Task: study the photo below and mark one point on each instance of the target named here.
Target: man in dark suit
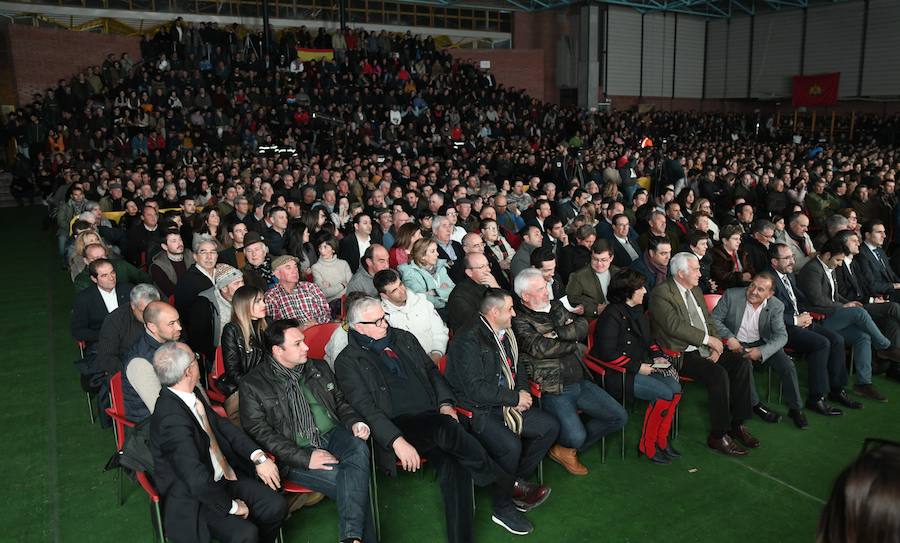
(275, 235)
(680, 322)
(93, 304)
(751, 322)
(875, 263)
(542, 259)
(755, 246)
(822, 348)
(848, 318)
(354, 245)
(576, 256)
(397, 389)
(204, 465)
(854, 285)
(624, 240)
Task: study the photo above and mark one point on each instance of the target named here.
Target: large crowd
(489, 257)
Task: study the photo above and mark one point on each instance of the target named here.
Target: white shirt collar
(189, 398)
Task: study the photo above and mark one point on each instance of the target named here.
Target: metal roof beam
(748, 10)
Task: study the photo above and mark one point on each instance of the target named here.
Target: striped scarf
(508, 364)
(300, 415)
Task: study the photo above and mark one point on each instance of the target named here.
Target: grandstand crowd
(485, 279)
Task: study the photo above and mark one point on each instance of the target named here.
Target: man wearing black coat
(122, 328)
(465, 298)
(93, 304)
(330, 455)
(395, 386)
(204, 465)
(483, 369)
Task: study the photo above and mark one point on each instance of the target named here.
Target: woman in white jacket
(412, 312)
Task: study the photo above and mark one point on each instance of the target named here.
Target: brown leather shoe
(891, 353)
(306, 499)
(870, 392)
(567, 458)
(743, 435)
(726, 445)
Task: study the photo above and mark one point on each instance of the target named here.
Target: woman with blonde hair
(76, 259)
(427, 274)
(242, 346)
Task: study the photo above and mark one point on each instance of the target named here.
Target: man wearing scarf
(396, 387)
(292, 408)
(654, 262)
(483, 368)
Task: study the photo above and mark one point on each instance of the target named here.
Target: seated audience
(125, 272)
(211, 310)
(92, 305)
(729, 267)
(465, 299)
(400, 252)
(122, 328)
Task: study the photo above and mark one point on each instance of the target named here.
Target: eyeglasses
(383, 321)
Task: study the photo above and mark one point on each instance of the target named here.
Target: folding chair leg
(120, 484)
(90, 402)
(603, 450)
(473, 496)
(677, 417)
(540, 472)
(157, 517)
(373, 496)
(769, 385)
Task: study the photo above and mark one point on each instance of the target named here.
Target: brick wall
(542, 30)
(519, 68)
(40, 56)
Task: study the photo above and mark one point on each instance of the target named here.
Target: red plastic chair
(90, 400)
(343, 306)
(317, 336)
(218, 370)
(116, 411)
(711, 301)
(600, 367)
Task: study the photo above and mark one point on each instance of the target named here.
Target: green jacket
(821, 206)
(584, 288)
(669, 318)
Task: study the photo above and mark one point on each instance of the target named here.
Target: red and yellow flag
(314, 54)
(816, 90)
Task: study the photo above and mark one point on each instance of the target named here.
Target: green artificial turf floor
(54, 488)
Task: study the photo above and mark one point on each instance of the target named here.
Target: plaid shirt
(306, 303)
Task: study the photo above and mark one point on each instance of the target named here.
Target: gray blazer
(729, 313)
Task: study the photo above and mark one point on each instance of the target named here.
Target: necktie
(790, 291)
(879, 257)
(692, 312)
(214, 443)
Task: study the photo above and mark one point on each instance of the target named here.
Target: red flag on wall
(816, 90)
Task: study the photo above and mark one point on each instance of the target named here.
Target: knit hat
(225, 275)
(282, 260)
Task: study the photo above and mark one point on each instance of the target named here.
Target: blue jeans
(654, 386)
(605, 415)
(858, 329)
(347, 484)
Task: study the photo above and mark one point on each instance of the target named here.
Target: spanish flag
(314, 54)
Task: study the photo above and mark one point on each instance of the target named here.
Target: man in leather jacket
(292, 407)
(552, 343)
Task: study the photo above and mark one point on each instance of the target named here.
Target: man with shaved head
(140, 386)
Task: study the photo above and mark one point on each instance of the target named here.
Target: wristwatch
(262, 459)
